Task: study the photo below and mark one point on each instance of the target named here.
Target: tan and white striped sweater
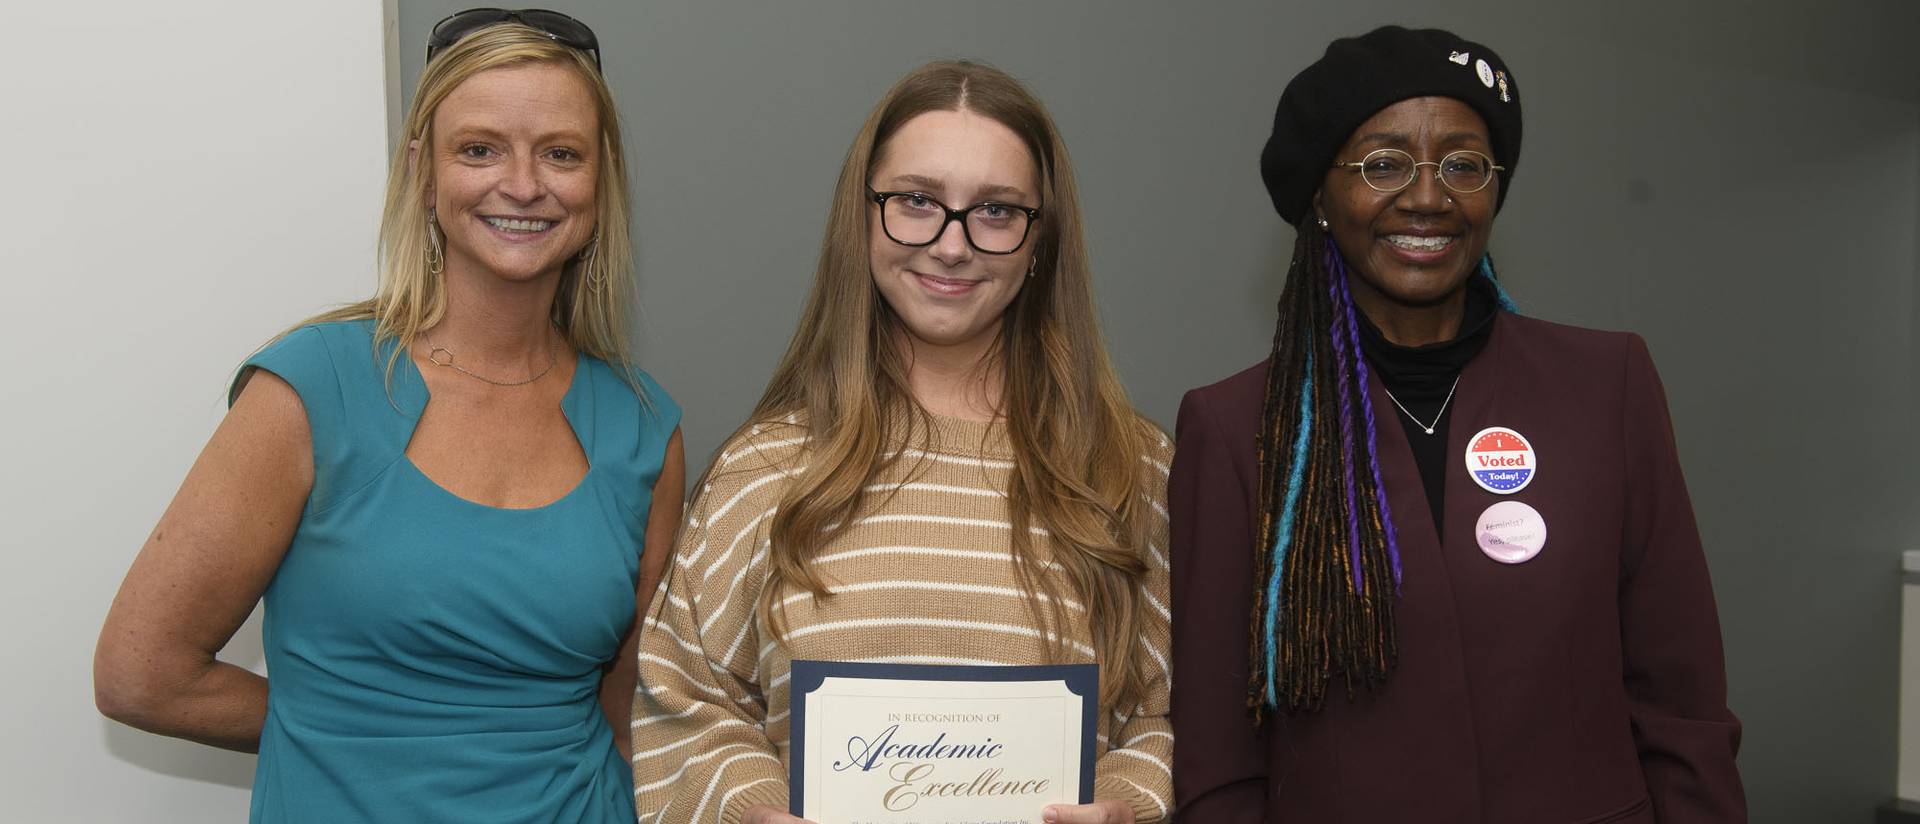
(927, 577)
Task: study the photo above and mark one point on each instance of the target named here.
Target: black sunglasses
(563, 29)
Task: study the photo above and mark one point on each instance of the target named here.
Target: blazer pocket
(1641, 810)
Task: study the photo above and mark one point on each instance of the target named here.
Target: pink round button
(1511, 532)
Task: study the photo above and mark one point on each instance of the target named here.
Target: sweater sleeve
(1670, 630)
(1138, 769)
(1221, 763)
(700, 748)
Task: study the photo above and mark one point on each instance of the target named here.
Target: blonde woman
(943, 469)
(442, 493)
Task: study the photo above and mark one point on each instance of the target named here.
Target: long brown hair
(1077, 441)
(411, 297)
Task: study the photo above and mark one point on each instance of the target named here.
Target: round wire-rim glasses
(927, 207)
(1388, 171)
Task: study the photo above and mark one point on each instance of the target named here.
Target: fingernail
(1049, 815)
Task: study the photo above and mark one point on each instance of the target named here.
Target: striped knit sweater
(926, 578)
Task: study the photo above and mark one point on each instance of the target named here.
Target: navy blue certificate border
(806, 676)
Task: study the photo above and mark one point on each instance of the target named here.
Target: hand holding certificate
(898, 744)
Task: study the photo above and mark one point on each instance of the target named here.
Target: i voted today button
(1501, 461)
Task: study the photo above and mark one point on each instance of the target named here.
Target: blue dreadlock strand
(1500, 292)
(1297, 467)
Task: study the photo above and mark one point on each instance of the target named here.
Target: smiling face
(1415, 247)
(948, 293)
(515, 162)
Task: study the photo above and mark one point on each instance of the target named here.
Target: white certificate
(903, 744)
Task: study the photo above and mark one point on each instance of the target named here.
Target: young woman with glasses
(442, 493)
(1460, 536)
(944, 469)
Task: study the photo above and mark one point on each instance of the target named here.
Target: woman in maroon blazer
(1433, 560)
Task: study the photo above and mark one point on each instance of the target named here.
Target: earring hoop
(436, 257)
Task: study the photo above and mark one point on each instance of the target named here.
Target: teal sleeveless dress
(431, 659)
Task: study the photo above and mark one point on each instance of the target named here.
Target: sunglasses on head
(563, 29)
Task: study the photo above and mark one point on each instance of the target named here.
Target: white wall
(177, 182)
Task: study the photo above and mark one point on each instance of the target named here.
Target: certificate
(907, 744)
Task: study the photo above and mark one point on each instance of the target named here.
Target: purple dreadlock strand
(1343, 299)
(1336, 283)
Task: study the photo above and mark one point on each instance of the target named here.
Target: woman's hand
(763, 814)
(1099, 812)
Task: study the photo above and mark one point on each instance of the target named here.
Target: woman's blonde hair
(590, 308)
(1077, 441)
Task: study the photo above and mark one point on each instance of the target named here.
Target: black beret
(1359, 76)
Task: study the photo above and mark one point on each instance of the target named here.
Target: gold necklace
(436, 351)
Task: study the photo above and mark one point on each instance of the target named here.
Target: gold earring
(436, 258)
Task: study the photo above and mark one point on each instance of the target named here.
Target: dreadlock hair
(1499, 292)
(1327, 563)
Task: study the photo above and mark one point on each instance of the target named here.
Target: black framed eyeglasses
(917, 219)
(561, 28)
(1390, 170)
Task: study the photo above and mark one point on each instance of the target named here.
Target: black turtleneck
(1420, 378)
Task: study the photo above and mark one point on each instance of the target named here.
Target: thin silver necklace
(1428, 428)
(436, 352)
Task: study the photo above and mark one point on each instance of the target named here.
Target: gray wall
(1741, 185)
